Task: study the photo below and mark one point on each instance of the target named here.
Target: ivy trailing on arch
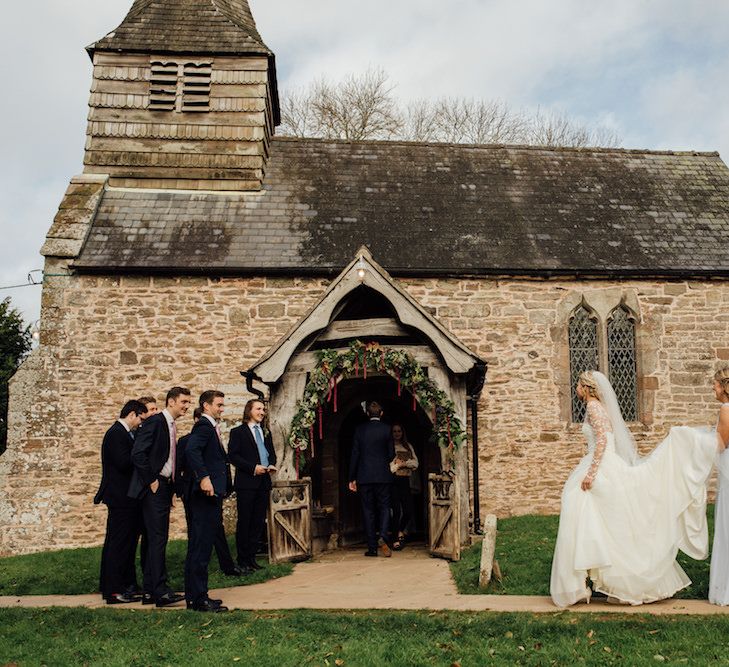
(356, 361)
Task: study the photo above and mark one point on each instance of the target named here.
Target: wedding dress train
(625, 532)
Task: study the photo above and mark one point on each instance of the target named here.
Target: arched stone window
(622, 369)
(584, 353)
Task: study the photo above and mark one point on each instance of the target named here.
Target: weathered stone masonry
(109, 338)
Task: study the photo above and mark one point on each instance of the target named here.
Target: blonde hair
(587, 380)
(722, 377)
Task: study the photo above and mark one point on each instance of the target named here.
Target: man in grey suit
(370, 476)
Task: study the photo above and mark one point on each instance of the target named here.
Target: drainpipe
(250, 376)
(473, 400)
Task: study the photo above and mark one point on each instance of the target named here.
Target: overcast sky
(655, 71)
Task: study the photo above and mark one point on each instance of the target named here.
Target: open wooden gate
(289, 521)
(444, 536)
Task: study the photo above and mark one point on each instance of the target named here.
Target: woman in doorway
(624, 517)
(719, 574)
(402, 466)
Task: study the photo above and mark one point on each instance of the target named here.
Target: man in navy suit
(118, 579)
(370, 476)
(250, 450)
(207, 462)
(184, 485)
(153, 455)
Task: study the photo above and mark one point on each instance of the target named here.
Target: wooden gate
(289, 521)
(445, 539)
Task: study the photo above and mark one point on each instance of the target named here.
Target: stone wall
(107, 339)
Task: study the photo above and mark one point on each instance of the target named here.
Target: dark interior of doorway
(337, 514)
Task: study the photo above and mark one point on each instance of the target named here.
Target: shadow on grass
(76, 572)
(524, 548)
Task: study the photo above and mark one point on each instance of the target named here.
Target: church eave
(471, 272)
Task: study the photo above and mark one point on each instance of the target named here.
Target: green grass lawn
(281, 639)
(524, 548)
(76, 571)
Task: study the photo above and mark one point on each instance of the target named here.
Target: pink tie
(217, 430)
(173, 447)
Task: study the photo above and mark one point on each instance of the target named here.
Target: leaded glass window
(621, 361)
(583, 353)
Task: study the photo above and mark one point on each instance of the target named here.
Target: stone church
(199, 249)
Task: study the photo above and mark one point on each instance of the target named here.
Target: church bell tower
(184, 97)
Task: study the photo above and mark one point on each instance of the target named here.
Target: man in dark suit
(118, 579)
(250, 450)
(183, 488)
(370, 476)
(153, 455)
(207, 462)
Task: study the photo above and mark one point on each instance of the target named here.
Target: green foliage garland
(332, 367)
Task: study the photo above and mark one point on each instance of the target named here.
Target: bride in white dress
(624, 517)
(719, 576)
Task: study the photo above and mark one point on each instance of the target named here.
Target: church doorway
(337, 515)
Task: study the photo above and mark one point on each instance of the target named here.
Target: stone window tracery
(622, 369)
(583, 352)
(608, 346)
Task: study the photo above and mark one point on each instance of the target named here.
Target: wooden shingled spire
(184, 96)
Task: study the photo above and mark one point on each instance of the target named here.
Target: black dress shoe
(253, 565)
(119, 598)
(147, 598)
(134, 593)
(168, 599)
(370, 553)
(209, 606)
(213, 601)
(235, 571)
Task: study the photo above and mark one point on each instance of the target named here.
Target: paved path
(347, 580)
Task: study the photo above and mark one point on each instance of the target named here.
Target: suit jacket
(372, 452)
(243, 454)
(204, 456)
(116, 468)
(149, 454)
(183, 476)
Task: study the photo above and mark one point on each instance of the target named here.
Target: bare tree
(364, 107)
(557, 129)
(298, 114)
(359, 107)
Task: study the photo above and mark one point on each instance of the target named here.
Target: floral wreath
(333, 366)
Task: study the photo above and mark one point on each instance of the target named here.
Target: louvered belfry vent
(175, 86)
(196, 86)
(163, 86)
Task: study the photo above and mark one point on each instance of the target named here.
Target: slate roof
(186, 26)
(433, 209)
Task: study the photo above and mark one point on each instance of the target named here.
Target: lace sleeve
(598, 419)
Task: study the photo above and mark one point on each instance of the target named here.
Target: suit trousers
(118, 573)
(156, 514)
(205, 513)
(375, 499)
(252, 508)
(402, 506)
(222, 549)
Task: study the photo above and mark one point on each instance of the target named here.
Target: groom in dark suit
(205, 458)
(118, 579)
(370, 476)
(154, 457)
(250, 450)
